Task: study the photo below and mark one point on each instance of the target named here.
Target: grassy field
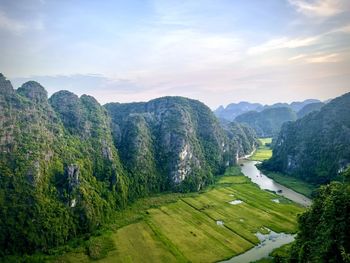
(296, 184)
(264, 151)
(187, 230)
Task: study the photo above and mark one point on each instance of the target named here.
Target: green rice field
(199, 227)
(264, 151)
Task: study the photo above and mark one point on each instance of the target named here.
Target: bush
(98, 247)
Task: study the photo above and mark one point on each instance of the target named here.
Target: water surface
(268, 243)
(249, 169)
(272, 240)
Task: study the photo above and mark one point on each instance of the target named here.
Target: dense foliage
(325, 227)
(171, 140)
(60, 171)
(310, 108)
(56, 182)
(242, 138)
(268, 122)
(317, 147)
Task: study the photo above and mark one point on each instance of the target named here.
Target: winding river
(249, 169)
(272, 240)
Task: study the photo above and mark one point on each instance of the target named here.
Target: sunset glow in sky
(218, 51)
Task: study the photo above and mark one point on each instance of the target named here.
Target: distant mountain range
(235, 109)
(267, 120)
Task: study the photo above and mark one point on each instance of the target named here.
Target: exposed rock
(107, 151)
(72, 173)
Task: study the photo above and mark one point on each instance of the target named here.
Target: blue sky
(218, 51)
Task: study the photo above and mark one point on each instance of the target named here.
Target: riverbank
(264, 152)
(293, 183)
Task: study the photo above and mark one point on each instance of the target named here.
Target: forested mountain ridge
(54, 183)
(177, 136)
(268, 122)
(315, 148)
(310, 108)
(232, 110)
(67, 162)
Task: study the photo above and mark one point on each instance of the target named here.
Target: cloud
(330, 58)
(317, 58)
(298, 57)
(283, 42)
(89, 83)
(321, 8)
(344, 29)
(11, 25)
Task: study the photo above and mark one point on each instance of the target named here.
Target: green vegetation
(67, 163)
(241, 137)
(278, 255)
(264, 151)
(296, 184)
(268, 122)
(187, 231)
(310, 108)
(325, 227)
(315, 148)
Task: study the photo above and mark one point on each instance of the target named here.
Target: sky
(216, 51)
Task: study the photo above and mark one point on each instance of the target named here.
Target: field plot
(205, 227)
(264, 151)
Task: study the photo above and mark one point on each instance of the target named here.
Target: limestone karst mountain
(67, 162)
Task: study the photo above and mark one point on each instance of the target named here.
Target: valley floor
(264, 151)
(201, 227)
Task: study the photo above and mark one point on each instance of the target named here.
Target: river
(272, 240)
(249, 169)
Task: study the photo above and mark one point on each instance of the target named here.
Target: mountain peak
(33, 91)
(5, 85)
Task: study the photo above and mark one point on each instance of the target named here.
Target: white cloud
(343, 29)
(283, 42)
(321, 8)
(298, 57)
(330, 58)
(18, 27)
(11, 25)
(317, 58)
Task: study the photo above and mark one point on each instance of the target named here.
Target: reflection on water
(249, 169)
(235, 202)
(268, 242)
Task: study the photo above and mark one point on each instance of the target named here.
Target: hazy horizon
(218, 53)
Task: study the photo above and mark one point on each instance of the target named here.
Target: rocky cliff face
(316, 147)
(176, 140)
(60, 170)
(243, 139)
